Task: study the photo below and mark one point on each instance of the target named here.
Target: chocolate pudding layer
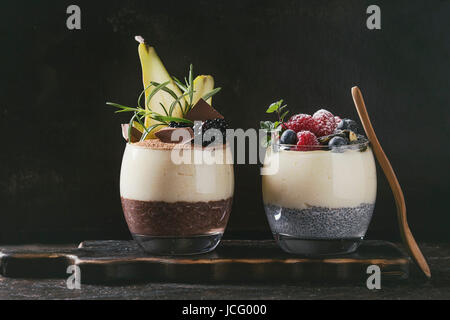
(176, 219)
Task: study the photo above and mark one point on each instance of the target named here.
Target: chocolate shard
(202, 111)
(182, 135)
(135, 133)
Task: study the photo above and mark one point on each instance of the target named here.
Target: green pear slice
(153, 70)
(202, 86)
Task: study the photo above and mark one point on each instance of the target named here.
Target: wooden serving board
(112, 262)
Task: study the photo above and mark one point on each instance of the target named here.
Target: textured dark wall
(62, 147)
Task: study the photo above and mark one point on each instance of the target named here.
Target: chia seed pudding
(319, 222)
(320, 195)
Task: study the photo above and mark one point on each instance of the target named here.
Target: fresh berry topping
(208, 130)
(337, 120)
(324, 123)
(299, 122)
(348, 124)
(362, 142)
(174, 124)
(220, 124)
(337, 142)
(288, 137)
(306, 141)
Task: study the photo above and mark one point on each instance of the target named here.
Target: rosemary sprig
(185, 101)
(188, 90)
(179, 84)
(191, 84)
(130, 126)
(143, 113)
(155, 91)
(149, 129)
(210, 94)
(142, 93)
(142, 125)
(169, 91)
(172, 106)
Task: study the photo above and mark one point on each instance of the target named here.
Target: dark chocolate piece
(202, 111)
(135, 133)
(165, 135)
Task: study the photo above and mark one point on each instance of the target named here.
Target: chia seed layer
(320, 222)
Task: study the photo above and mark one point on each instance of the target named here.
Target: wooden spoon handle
(405, 232)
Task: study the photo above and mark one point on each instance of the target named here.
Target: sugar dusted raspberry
(306, 141)
(337, 119)
(299, 122)
(324, 123)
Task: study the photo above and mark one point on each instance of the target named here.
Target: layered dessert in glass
(174, 208)
(321, 198)
(177, 178)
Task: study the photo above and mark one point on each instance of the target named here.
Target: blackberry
(362, 142)
(216, 124)
(174, 124)
(220, 124)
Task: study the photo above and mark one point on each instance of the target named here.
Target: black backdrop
(62, 147)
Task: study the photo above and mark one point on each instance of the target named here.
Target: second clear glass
(319, 202)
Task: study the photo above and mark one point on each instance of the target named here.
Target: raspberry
(306, 141)
(324, 123)
(299, 122)
(337, 119)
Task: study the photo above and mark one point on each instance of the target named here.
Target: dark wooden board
(111, 262)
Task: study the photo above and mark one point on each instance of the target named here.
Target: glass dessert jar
(319, 201)
(174, 207)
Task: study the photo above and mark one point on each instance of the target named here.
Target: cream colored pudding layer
(321, 178)
(150, 175)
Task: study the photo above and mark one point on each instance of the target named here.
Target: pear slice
(138, 126)
(202, 86)
(153, 70)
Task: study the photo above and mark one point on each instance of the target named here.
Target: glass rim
(293, 147)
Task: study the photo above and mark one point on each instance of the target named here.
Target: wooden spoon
(405, 232)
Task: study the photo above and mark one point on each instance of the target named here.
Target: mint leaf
(267, 125)
(274, 106)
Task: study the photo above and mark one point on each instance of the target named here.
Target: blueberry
(288, 137)
(348, 124)
(337, 142)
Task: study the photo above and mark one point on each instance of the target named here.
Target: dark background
(62, 147)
